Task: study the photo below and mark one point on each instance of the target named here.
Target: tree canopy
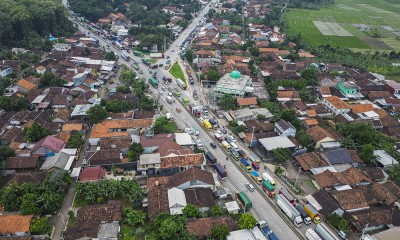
(35, 133)
(13, 103)
(247, 221)
(227, 102)
(49, 80)
(96, 114)
(134, 152)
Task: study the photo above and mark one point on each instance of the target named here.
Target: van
(226, 145)
(250, 187)
(234, 146)
(255, 166)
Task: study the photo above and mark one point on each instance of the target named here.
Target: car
(201, 119)
(173, 51)
(108, 46)
(228, 139)
(160, 65)
(150, 72)
(250, 187)
(170, 94)
(167, 57)
(213, 145)
(220, 132)
(178, 110)
(163, 88)
(189, 130)
(205, 111)
(231, 138)
(161, 93)
(205, 117)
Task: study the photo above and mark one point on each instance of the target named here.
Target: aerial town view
(200, 119)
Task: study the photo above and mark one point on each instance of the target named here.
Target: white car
(205, 117)
(231, 138)
(250, 187)
(170, 94)
(189, 130)
(161, 93)
(163, 88)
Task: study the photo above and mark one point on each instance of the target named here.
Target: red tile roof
(247, 101)
(15, 223)
(92, 174)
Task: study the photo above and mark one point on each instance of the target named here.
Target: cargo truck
(137, 53)
(145, 62)
(325, 233)
(268, 188)
(304, 214)
(181, 83)
(267, 177)
(262, 225)
(226, 145)
(312, 235)
(210, 157)
(234, 154)
(313, 213)
(288, 196)
(222, 174)
(153, 82)
(253, 157)
(125, 56)
(207, 124)
(243, 201)
(176, 92)
(245, 165)
(289, 210)
(256, 177)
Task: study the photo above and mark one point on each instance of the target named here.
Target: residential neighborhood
(193, 120)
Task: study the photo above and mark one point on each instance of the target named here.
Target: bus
(176, 92)
(243, 201)
(153, 82)
(125, 56)
(245, 165)
(138, 54)
(145, 62)
(167, 64)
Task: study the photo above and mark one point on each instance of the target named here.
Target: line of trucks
(321, 232)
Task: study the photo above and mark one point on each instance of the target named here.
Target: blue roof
(338, 156)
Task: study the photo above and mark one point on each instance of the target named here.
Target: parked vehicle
(253, 157)
(268, 178)
(304, 214)
(289, 210)
(222, 174)
(268, 188)
(287, 195)
(313, 213)
(178, 110)
(243, 201)
(267, 231)
(181, 83)
(234, 153)
(207, 124)
(256, 177)
(242, 153)
(312, 235)
(255, 166)
(234, 146)
(324, 232)
(226, 145)
(245, 165)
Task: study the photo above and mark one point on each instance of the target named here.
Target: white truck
(267, 178)
(312, 235)
(289, 210)
(169, 99)
(325, 233)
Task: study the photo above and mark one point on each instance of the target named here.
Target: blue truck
(267, 231)
(222, 174)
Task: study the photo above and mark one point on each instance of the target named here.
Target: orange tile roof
(269, 50)
(382, 113)
(72, 126)
(311, 121)
(361, 108)
(311, 113)
(182, 160)
(205, 52)
(283, 52)
(15, 223)
(306, 54)
(325, 90)
(288, 94)
(26, 84)
(105, 128)
(337, 102)
(247, 101)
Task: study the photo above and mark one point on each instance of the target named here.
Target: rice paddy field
(349, 23)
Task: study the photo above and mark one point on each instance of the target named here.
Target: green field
(177, 72)
(375, 14)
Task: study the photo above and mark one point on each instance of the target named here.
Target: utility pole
(297, 178)
(252, 136)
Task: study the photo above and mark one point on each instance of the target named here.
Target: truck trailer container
(313, 213)
(254, 158)
(312, 235)
(287, 195)
(245, 165)
(289, 210)
(267, 177)
(181, 83)
(243, 201)
(268, 188)
(325, 233)
(222, 174)
(210, 157)
(256, 177)
(153, 82)
(125, 56)
(267, 232)
(304, 214)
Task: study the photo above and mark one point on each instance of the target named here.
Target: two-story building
(284, 128)
(336, 105)
(350, 90)
(5, 70)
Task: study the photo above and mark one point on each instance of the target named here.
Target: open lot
(340, 24)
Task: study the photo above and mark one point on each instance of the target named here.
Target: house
(164, 144)
(61, 116)
(284, 96)
(176, 201)
(284, 128)
(201, 197)
(326, 203)
(108, 231)
(25, 86)
(376, 174)
(89, 219)
(184, 140)
(351, 200)
(15, 225)
(248, 234)
(342, 159)
(351, 176)
(373, 219)
(49, 144)
(312, 161)
(384, 160)
(273, 143)
(201, 227)
(247, 114)
(104, 157)
(62, 160)
(40, 70)
(247, 102)
(5, 70)
(350, 90)
(92, 174)
(22, 163)
(336, 105)
(63, 47)
(20, 178)
(393, 87)
(321, 135)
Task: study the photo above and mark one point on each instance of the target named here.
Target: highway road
(236, 180)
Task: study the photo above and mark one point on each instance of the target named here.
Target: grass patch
(152, 60)
(127, 233)
(171, 127)
(78, 202)
(177, 72)
(373, 13)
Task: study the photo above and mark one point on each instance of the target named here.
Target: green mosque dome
(235, 74)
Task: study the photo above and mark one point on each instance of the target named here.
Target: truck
(138, 54)
(153, 82)
(287, 195)
(169, 99)
(207, 124)
(210, 157)
(324, 232)
(267, 177)
(135, 66)
(125, 56)
(243, 201)
(156, 55)
(226, 145)
(313, 213)
(167, 64)
(181, 83)
(253, 157)
(267, 232)
(145, 62)
(312, 235)
(176, 92)
(245, 165)
(289, 210)
(218, 137)
(222, 174)
(195, 96)
(268, 188)
(234, 154)
(256, 177)
(303, 213)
